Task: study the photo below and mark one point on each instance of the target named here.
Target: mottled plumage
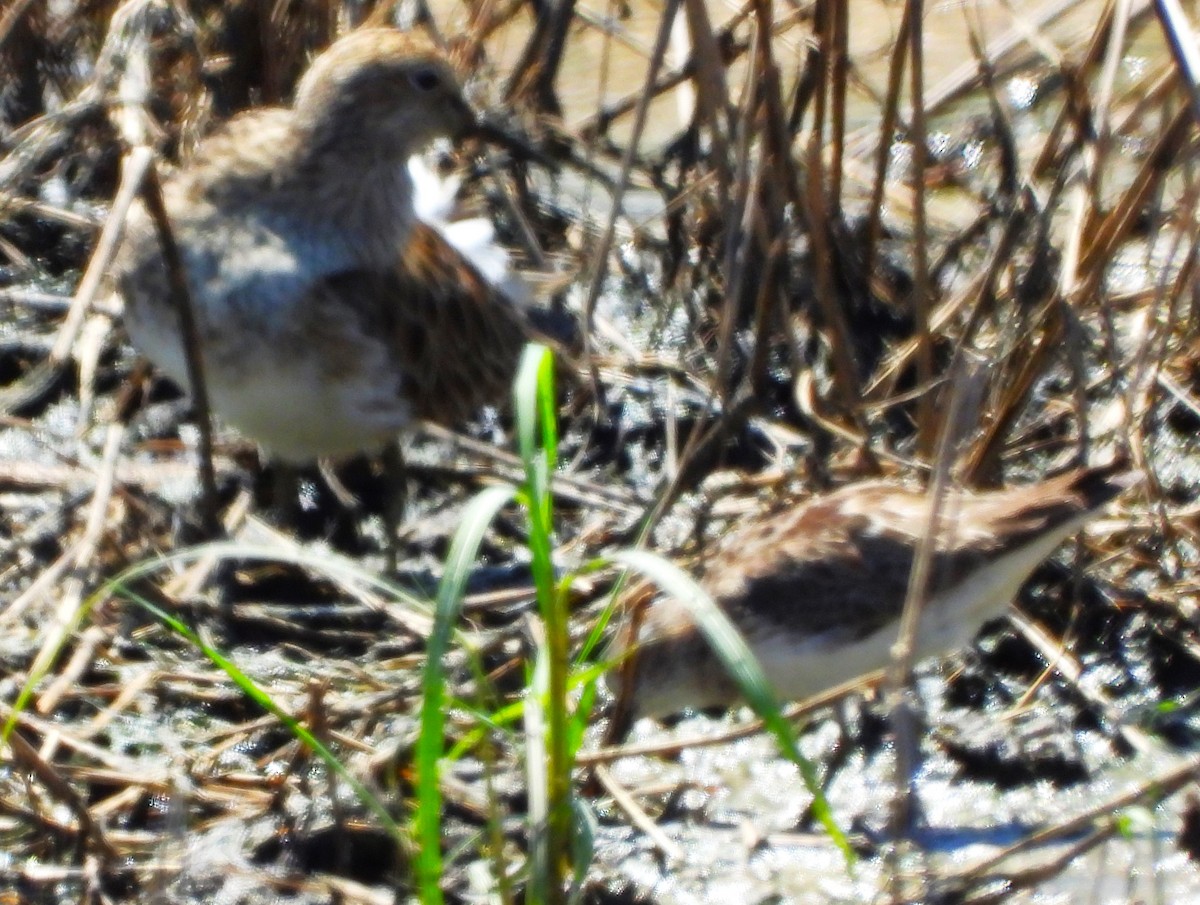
(330, 316)
(818, 590)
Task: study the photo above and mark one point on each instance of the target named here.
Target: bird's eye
(426, 79)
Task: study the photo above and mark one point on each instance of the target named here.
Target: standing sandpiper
(818, 591)
(330, 315)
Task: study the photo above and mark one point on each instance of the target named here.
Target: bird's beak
(520, 147)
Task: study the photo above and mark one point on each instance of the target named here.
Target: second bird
(818, 590)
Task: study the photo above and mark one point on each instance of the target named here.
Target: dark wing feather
(846, 558)
(456, 339)
(847, 573)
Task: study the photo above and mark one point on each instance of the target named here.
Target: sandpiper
(330, 314)
(818, 591)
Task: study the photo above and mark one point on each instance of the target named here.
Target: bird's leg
(396, 482)
(285, 492)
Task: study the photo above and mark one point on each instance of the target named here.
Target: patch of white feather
(433, 196)
(434, 199)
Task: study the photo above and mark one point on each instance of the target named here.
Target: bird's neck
(365, 202)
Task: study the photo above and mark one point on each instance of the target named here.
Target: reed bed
(797, 257)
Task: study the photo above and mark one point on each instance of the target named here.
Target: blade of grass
(544, 882)
(511, 713)
(537, 432)
(427, 821)
(267, 703)
(337, 568)
(583, 847)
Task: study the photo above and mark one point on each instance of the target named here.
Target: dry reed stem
(922, 290)
(57, 785)
(816, 204)
(637, 815)
(883, 145)
(38, 382)
(1060, 661)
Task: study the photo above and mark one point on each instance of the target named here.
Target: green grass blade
(583, 847)
(535, 404)
(267, 703)
(427, 821)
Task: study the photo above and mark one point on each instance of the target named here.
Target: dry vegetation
(795, 308)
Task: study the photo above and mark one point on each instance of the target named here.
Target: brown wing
(846, 558)
(456, 340)
(845, 574)
(1015, 516)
